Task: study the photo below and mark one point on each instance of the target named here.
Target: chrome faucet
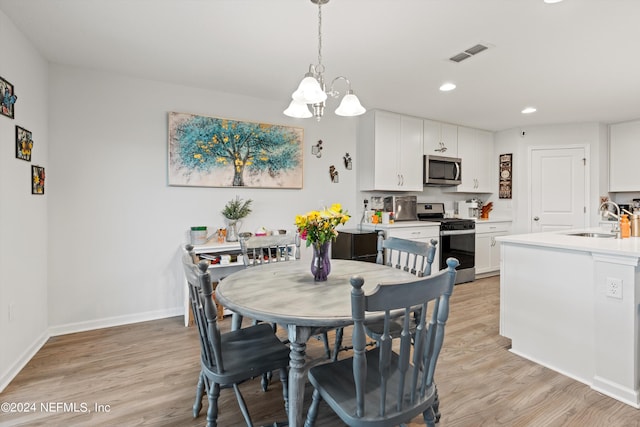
(615, 228)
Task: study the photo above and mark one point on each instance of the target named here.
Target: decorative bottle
(625, 226)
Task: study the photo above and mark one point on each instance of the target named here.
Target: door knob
(535, 218)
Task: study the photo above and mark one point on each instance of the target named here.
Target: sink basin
(598, 235)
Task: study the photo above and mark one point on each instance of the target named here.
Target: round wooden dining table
(286, 293)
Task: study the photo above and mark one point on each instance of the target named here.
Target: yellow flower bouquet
(319, 227)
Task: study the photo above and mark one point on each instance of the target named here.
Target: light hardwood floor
(146, 373)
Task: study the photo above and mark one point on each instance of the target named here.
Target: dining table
(285, 293)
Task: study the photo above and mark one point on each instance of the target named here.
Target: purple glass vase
(321, 261)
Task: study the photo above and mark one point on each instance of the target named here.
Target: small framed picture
(24, 144)
(7, 98)
(37, 180)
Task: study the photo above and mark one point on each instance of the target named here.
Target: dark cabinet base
(356, 245)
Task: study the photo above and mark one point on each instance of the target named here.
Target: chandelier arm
(334, 93)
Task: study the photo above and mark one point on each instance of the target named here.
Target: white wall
(593, 135)
(116, 226)
(23, 216)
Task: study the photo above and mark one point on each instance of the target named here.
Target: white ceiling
(576, 61)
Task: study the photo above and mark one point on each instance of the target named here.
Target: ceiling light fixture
(552, 1)
(446, 87)
(529, 110)
(312, 91)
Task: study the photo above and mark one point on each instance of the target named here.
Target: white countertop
(399, 224)
(561, 240)
(490, 220)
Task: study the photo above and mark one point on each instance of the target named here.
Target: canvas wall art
(24, 144)
(214, 152)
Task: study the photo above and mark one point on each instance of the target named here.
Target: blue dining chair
(228, 359)
(415, 257)
(386, 387)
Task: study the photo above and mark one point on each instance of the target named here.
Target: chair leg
(236, 322)
(266, 380)
(197, 406)
(284, 379)
(436, 406)
(429, 417)
(313, 409)
(338, 344)
(325, 341)
(213, 392)
(243, 406)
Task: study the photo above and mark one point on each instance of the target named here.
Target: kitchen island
(571, 303)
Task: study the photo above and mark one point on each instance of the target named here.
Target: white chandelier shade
(350, 106)
(309, 91)
(298, 110)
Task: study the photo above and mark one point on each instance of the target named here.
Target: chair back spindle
(257, 250)
(413, 256)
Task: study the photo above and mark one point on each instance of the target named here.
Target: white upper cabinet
(475, 148)
(624, 152)
(440, 139)
(389, 152)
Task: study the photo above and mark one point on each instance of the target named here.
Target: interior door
(558, 188)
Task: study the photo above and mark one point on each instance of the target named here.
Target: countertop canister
(635, 225)
(198, 235)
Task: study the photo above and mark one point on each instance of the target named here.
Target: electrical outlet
(613, 288)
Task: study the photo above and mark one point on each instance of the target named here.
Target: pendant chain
(320, 35)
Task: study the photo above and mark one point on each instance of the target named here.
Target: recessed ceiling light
(446, 87)
(552, 1)
(529, 110)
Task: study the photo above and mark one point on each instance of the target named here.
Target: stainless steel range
(457, 239)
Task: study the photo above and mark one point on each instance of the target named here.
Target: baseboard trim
(22, 361)
(108, 322)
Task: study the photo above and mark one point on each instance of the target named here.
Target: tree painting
(214, 152)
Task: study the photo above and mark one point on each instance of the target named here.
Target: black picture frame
(506, 176)
(37, 179)
(7, 98)
(24, 144)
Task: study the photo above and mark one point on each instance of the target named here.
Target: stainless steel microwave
(441, 171)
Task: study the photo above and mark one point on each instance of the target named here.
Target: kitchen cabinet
(487, 249)
(475, 148)
(624, 152)
(389, 152)
(440, 139)
(358, 245)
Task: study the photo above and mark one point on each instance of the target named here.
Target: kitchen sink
(598, 235)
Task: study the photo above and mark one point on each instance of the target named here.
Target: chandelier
(312, 91)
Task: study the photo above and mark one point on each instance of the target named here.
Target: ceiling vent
(474, 50)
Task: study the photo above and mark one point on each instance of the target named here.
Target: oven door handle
(456, 232)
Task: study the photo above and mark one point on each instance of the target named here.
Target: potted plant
(235, 210)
